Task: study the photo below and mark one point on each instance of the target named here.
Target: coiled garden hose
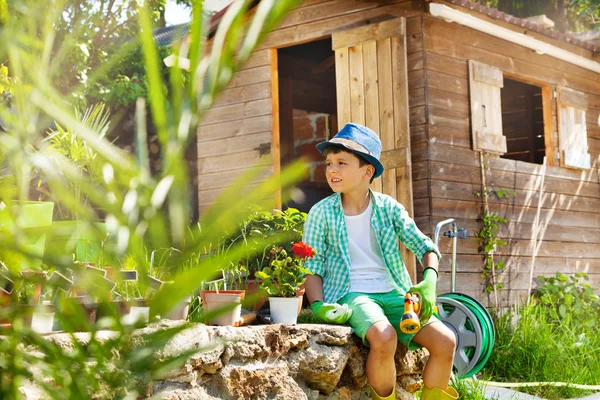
(474, 330)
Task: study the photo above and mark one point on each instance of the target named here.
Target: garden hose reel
(465, 317)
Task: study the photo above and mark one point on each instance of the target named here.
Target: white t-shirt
(368, 272)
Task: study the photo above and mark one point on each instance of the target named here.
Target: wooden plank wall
(240, 120)
(446, 172)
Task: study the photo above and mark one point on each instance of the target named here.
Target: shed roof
(168, 35)
(525, 23)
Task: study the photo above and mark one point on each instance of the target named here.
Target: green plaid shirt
(325, 231)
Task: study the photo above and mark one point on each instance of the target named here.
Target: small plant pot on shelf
(73, 237)
(138, 313)
(79, 311)
(180, 311)
(39, 317)
(284, 310)
(33, 218)
(224, 307)
(132, 312)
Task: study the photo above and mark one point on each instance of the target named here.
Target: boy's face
(344, 173)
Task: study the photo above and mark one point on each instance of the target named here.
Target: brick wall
(311, 128)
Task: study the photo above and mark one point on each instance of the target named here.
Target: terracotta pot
(300, 293)
(255, 297)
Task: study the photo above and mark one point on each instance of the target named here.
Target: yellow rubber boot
(375, 396)
(438, 394)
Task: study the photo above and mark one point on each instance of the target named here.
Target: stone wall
(282, 362)
(275, 362)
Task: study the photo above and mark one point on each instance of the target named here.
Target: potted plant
(222, 306)
(27, 223)
(69, 234)
(24, 223)
(31, 293)
(283, 280)
(278, 228)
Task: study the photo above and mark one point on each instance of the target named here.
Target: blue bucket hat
(360, 140)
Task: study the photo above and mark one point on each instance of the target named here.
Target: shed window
(486, 112)
(572, 130)
(523, 122)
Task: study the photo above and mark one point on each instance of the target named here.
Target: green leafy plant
(6, 83)
(276, 229)
(287, 272)
(489, 243)
(569, 300)
(64, 143)
(144, 209)
(550, 340)
(487, 237)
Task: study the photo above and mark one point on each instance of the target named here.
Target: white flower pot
(180, 310)
(284, 310)
(136, 315)
(42, 321)
(217, 301)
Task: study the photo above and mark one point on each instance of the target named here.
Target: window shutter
(486, 111)
(572, 130)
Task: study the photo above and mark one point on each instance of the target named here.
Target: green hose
(535, 384)
(487, 330)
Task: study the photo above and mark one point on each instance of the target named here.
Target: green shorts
(368, 308)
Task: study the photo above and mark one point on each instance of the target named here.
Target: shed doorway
(358, 75)
(307, 113)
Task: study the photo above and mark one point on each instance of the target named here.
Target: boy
(359, 276)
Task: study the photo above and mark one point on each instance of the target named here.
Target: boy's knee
(382, 338)
(445, 343)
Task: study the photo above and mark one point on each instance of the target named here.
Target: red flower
(303, 250)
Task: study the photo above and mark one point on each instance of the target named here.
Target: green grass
(469, 389)
(534, 344)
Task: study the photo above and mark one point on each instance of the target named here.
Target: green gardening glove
(331, 313)
(427, 291)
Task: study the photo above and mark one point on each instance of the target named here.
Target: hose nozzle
(410, 319)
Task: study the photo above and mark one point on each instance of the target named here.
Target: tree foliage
(568, 15)
(96, 54)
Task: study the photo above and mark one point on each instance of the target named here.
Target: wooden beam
(324, 65)
(367, 33)
(402, 136)
(549, 128)
(342, 77)
(395, 158)
(275, 131)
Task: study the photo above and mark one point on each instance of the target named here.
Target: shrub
(550, 340)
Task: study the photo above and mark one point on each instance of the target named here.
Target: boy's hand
(427, 291)
(331, 313)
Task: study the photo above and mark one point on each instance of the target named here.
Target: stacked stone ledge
(278, 362)
(305, 361)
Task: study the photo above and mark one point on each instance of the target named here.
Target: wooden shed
(457, 92)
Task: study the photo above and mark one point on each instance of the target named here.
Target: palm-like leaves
(143, 211)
